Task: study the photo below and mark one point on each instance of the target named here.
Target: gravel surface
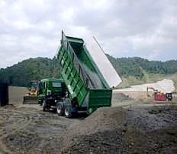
(108, 130)
(149, 119)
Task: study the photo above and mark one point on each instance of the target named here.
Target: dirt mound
(152, 119)
(102, 120)
(116, 130)
(96, 133)
(10, 106)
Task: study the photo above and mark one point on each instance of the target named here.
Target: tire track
(26, 130)
(14, 121)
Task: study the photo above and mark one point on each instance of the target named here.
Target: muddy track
(30, 130)
(13, 121)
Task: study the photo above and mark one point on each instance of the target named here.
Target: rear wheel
(60, 109)
(68, 111)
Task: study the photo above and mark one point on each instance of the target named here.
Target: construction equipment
(158, 95)
(174, 95)
(151, 88)
(50, 91)
(88, 75)
(31, 96)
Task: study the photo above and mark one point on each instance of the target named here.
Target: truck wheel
(44, 108)
(60, 109)
(68, 112)
(44, 105)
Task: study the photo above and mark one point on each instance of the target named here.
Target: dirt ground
(137, 130)
(27, 129)
(131, 126)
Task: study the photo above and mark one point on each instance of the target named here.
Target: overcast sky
(124, 28)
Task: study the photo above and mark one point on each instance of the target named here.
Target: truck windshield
(56, 84)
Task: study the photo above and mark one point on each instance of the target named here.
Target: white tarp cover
(104, 65)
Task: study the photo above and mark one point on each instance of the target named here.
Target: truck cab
(50, 91)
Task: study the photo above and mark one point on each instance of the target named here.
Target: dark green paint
(48, 85)
(72, 55)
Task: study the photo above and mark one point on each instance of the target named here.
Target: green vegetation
(138, 67)
(138, 70)
(132, 70)
(31, 69)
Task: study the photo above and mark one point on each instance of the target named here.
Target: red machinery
(160, 97)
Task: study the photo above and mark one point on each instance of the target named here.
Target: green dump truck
(50, 91)
(89, 77)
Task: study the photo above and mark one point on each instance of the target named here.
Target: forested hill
(31, 69)
(38, 68)
(138, 67)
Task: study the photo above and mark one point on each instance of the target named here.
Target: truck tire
(44, 106)
(60, 109)
(67, 111)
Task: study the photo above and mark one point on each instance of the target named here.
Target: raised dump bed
(87, 86)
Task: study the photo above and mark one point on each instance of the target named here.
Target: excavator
(31, 96)
(151, 88)
(158, 95)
